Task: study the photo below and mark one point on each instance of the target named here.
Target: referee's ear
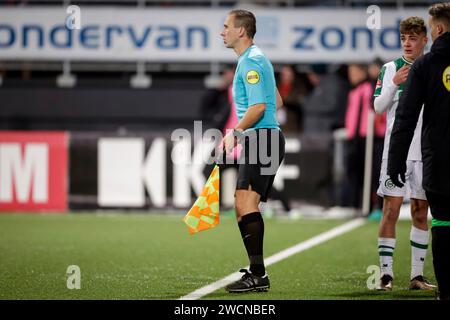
(242, 33)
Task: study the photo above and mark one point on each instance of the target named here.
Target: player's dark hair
(441, 12)
(413, 25)
(245, 19)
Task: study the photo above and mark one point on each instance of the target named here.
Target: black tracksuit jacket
(428, 84)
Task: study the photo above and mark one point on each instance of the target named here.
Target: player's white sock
(419, 245)
(386, 248)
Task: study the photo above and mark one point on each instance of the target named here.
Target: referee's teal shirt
(254, 83)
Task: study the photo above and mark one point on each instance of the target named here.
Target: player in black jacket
(428, 84)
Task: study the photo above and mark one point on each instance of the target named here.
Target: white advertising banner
(193, 35)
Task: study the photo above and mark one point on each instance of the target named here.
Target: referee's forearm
(253, 114)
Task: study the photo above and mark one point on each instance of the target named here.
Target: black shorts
(439, 205)
(261, 156)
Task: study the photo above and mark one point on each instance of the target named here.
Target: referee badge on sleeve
(252, 77)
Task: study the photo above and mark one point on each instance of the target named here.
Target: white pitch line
(302, 246)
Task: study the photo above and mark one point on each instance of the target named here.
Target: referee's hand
(228, 142)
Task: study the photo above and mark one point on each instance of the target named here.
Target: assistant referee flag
(204, 214)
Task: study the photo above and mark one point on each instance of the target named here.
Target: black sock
(252, 232)
(441, 258)
(242, 230)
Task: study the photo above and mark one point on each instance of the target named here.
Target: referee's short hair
(245, 19)
(441, 13)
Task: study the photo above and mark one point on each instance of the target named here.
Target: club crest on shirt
(252, 77)
(389, 184)
(446, 78)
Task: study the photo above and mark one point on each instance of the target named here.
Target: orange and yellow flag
(204, 214)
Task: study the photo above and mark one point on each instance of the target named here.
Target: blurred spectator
(215, 105)
(378, 142)
(291, 91)
(232, 119)
(2, 74)
(26, 71)
(324, 108)
(358, 105)
(374, 70)
(315, 73)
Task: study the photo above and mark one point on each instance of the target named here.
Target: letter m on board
(24, 172)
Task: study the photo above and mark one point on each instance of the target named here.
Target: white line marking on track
(302, 246)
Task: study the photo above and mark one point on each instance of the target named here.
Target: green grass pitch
(149, 256)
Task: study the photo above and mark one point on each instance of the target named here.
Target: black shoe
(249, 282)
(440, 296)
(386, 283)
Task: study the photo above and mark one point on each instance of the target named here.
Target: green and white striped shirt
(387, 95)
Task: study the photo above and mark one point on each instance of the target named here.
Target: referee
(428, 84)
(256, 99)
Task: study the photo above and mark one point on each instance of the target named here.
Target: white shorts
(413, 186)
